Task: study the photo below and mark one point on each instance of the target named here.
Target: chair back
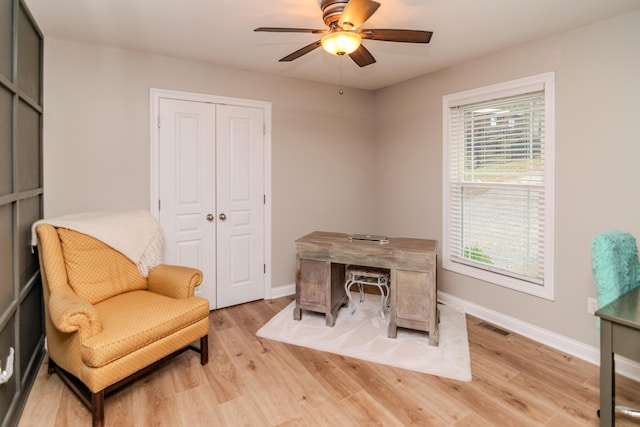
(615, 266)
(93, 270)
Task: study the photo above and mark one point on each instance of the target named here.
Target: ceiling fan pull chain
(341, 91)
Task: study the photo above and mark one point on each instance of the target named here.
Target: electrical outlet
(592, 305)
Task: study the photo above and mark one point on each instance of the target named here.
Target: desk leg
(434, 328)
(297, 311)
(336, 296)
(392, 331)
(607, 375)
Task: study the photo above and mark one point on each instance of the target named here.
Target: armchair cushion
(96, 271)
(148, 317)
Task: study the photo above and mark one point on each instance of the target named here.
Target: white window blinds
(495, 185)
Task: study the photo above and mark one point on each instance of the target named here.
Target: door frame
(154, 157)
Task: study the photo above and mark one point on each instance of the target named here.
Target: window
(498, 185)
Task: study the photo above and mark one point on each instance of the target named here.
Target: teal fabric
(615, 266)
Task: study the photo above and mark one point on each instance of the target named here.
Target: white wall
(598, 145)
(96, 139)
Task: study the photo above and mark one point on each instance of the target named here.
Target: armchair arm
(70, 313)
(174, 281)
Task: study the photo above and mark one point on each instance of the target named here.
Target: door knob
(210, 217)
(222, 217)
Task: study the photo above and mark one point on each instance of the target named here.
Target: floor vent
(495, 329)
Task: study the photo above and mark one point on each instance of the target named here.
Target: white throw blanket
(136, 234)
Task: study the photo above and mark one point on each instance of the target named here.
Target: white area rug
(364, 336)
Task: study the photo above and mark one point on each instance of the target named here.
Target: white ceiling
(221, 31)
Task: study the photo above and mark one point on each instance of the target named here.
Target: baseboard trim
(575, 348)
(283, 291)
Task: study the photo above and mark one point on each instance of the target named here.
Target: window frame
(545, 82)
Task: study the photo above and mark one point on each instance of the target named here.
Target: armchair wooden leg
(204, 350)
(51, 366)
(97, 408)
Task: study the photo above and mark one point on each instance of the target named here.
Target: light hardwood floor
(256, 382)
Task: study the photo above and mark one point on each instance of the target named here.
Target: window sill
(542, 291)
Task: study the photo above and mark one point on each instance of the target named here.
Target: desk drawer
(311, 283)
(415, 295)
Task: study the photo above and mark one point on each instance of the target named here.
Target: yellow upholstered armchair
(107, 324)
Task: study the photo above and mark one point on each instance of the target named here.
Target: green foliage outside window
(476, 254)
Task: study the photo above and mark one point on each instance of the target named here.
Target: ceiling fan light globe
(341, 42)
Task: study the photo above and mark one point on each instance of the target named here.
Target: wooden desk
(320, 267)
(619, 334)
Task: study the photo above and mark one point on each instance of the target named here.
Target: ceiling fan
(344, 36)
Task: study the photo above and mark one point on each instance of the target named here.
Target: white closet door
(240, 204)
(187, 188)
(211, 179)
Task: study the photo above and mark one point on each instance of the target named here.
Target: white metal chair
(367, 276)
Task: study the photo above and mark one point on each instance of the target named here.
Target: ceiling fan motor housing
(332, 10)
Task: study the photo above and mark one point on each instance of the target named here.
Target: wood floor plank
(153, 398)
(43, 400)
(71, 411)
(221, 372)
(383, 384)
(258, 382)
(510, 352)
(195, 407)
(557, 399)
(279, 404)
(429, 397)
(364, 410)
(473, 420)
(580, 369)
(243, 411)
(186, 372)
(328, 375)
(567, 420)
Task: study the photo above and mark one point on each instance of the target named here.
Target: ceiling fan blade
(404, 36)
(357, 12)
(289, 30)
(298, 53)
(362, 56)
